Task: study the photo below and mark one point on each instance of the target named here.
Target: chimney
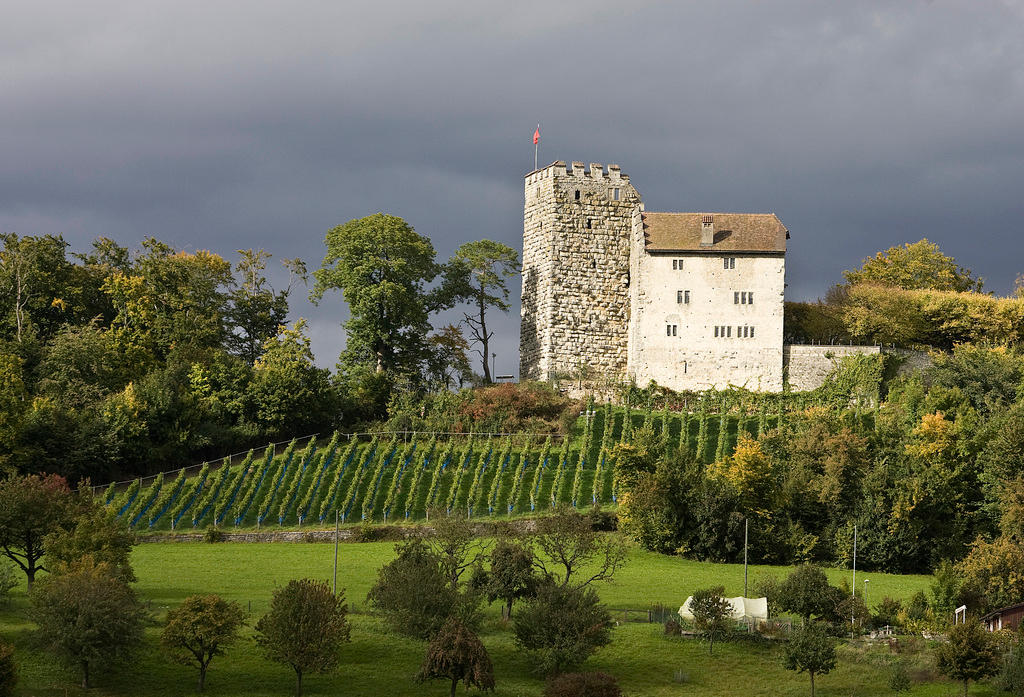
(707, 230)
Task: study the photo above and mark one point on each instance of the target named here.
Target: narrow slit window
(615, 194)
(673, 330)
(679, 297)
(750, 297)
(728, 332)
(716, 331)
(686, 297)
(751, 332)
(675, 263)
(589, 223)
(736, 298)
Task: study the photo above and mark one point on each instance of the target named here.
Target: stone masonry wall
(808, 365)
(576, 237)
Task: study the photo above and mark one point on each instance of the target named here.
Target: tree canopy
(916, 266)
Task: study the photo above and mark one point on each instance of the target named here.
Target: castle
(612, 292)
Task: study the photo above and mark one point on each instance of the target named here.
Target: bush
(8, 670)
(583, 685)
(562, 627)
(1011, 675)
(213, 534)
(899, 679)
(673, 628)
(8, 579)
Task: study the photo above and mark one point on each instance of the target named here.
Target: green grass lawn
(380, 663)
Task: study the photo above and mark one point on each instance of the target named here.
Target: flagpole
(536, 144)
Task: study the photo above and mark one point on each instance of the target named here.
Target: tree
(806, 591)
(97, 532)
(8, 670)
(415, 594)
(511, 575)
(288, 391)
(88, 616)
(913, 267)
(31, 507)
(200, 629)
(970, 654)
(990, 573)
(257, 312)
(12, 408)
(711, 614)
(572, 553)
(562, 626)
(304, 628)
(457, 654)
(456, 546)
(479, 270)
(381, 266)
(811, 650)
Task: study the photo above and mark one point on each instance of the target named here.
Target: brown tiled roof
(734, 232)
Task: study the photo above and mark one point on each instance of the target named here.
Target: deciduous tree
(915, 266)
(511, 575)
(88, 616)
(382, 267)
(457, 654)
(304, 628)
(811, 650)
(562, 626)
(970, 654)
(31, 507)
(711, 614)
(572, 554)
(480, 270)
(200, 629)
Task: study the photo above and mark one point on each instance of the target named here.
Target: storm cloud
(250, 124)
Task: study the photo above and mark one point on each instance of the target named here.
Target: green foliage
(971, 653)
(571, 554)
(511, 575)
(595, 684)
(711, 614)
(561, 627)
(305, 628)
(8, 670)
(811, 650)
(455, 653)
(1011, 674)
(88, 616)
(414, 594)
(990, 573)
(32, 507)
(381, 266)
(915, 266)
(806, 592)
(96, 533)
(200, 629)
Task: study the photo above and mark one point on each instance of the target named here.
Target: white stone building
(612, 292)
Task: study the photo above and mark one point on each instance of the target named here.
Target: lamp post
(494, 358)
(866, 582)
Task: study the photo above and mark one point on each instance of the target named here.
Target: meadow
(378, 663)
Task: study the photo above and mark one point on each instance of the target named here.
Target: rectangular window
(743, 298)
(728, 332)
(673, 330)
(686, 297)
(716, 331)
(668, 330)
(751, 332)
(615, 194)
(675, 264)
(736, 298)
(729, 262)
(750, 297)
(679, 297)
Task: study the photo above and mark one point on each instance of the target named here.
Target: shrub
(8, 670)
(213, 534)
(583, 685)
(899, 679)
(673, 628)
(8, 579)
(562, 627)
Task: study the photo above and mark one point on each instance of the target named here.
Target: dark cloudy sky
(227, 125)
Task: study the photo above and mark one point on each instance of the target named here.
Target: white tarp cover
(742, 608)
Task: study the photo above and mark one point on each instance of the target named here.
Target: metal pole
(853, 592)
(336, 552)
(746, 528)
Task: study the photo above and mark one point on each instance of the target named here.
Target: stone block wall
(575, 301)
(808, 365)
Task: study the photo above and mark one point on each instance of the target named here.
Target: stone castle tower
(577, 229)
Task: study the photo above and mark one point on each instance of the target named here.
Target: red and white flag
(536, 135)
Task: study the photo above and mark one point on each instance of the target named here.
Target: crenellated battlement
(577, 170)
